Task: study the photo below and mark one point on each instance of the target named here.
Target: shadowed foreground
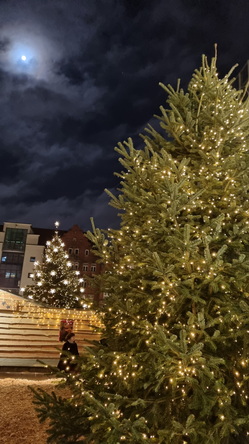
(18, 420)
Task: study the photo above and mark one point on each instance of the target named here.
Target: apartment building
(19, 249)
(21, 245)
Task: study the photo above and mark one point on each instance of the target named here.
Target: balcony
(13, 246)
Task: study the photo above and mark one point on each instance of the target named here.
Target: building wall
(13, 242)
(79, 249)
(33, 253)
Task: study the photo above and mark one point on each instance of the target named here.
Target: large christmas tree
(173, 364)
(56, 284)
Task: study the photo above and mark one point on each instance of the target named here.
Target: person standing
(68, 354)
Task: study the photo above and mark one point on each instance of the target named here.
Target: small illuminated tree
(55, 283)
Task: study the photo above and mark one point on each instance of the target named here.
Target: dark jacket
(65, 362)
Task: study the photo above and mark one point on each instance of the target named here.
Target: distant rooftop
(46, 234)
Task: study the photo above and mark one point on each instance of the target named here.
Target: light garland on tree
(174, 364)
(55, 283)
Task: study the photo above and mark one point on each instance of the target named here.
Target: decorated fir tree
(56, 284)
(173, 367)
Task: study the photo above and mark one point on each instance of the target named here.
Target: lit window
(10, 274)
(4, 258)
(32, 259)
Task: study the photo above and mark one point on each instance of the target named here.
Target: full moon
(24, 58)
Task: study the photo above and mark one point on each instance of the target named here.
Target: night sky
(78, 76)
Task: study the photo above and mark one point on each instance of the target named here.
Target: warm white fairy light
(180, 292)
(55, 272)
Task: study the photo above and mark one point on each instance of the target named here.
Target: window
(76, 251)
(93, 267)
(70, 250)
(10, 274)
(15, 239)
(85, 284)
(85, 267)
(32, 259)
(12, 258)
(86, 252)
(75, 266)
(90, 296)
(30, 275)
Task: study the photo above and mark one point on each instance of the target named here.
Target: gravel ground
(18, 420)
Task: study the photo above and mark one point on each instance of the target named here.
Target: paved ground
(21, 368)
(15, 362)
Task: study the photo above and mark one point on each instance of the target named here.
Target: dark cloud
(4, 44)
(89, 80)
